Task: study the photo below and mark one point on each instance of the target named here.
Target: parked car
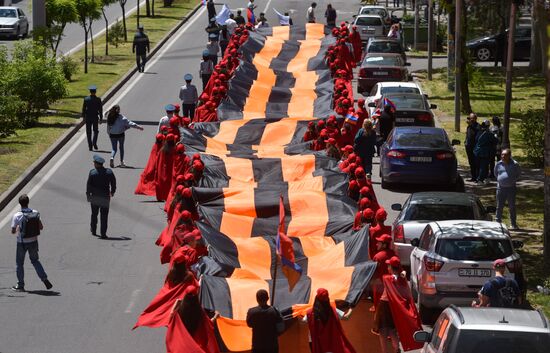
(484, 48)
(385, 45)
(422, 208)
(411, 109)
(382, 88)
(418, 155)
(369, 26)
(381, 67)
(381, 11)
(452, 260)
(487, 330)
(13, 22)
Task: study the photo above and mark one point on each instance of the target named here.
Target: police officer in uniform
(189, 97)
(140, 46)
(101, 186)
(92, 113)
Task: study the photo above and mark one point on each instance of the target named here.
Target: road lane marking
(267, 6)
(133, 300)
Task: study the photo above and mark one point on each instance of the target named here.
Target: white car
(13, 22)
(453, 259)
(381, 88)
(369, 26)
(376, 10)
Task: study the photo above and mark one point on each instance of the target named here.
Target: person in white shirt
(231, 24)
(206, 68)
(311, 13)
(189, 97)
(165, 120)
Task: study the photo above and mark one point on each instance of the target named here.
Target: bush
(69, 67)
(9, 104)
(532, 134)
(116, 34)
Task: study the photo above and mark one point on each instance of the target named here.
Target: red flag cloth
(204, 115)
(285, 250)
(146, 184)
(329, 336)
(178, 339)
(404, 313)
(355, 38)
(163, 178)
(157, 313)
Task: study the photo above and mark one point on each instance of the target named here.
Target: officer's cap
(92, 87)
(205, 53)
(169, 107)
(98, 159)
(188, 77)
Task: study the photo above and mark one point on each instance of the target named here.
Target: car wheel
(483, 54)
(26, 34)
(384, 184)
(426, 314)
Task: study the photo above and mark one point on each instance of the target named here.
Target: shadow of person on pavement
(45, 293)
(116, 238)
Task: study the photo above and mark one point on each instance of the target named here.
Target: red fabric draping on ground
(328, 337)
(178, 339)
(163, 178)
(146, 184)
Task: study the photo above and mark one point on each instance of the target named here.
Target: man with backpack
(27, 224)
(499, 292)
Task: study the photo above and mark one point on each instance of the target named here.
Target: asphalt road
(101, 286)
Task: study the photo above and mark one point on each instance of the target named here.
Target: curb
(34, 168)
(426, 56)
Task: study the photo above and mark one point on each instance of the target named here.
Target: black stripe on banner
(266, 202)
(300, 130)
(341, 210)
(222, 249)
(268, 170)
(297, 33)
(362, 274)
(250, 133)
(215, 295)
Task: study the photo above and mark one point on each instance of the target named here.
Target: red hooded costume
(146, 184)
(355, 39)
(165, 161)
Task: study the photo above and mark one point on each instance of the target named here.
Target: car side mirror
(354, 16)
(433, 106)
(396, 207)
(455, 142)
(422, 336)
(517, 244)
(415, 242)
(407, 64)
(372, 105)
(490, 209)
(426, 96)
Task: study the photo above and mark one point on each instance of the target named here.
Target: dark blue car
(418, 155)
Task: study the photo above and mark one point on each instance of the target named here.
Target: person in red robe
(346, 137)
(378, 229)
(311, 133)
(383, 252)
(190, 329)
(331, 149)
(353, 190)
(164, 167)
(157, 313)
(362, 218)
(146, 184)
(401, 321)
(355, 39)
(362, 112)
(319, 144)
(183, 227)
(325, 328)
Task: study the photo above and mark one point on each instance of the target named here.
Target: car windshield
(383, 60)
(11, 13)
(379, 12)
(385, 90)
(368, 21)
(415, 139)
(438, 212)
(474, 249)
(491, 341)
(407, 101)
(384, 47)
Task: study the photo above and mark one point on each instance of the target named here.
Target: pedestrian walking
(266, 323)
(117, 124)
(140, 46)
(311, 13)
(165, 120)
(290, 22)
(224, 40)
(250, 12)
(239, 18)
(499, 292)
(496, 130)
(189, 97)
(231, 24)
(206, 68)
(100, 188)
(27, 224)
(213, 48)
(211, 9)
(213, 30)
(365, 145)
(262, 21)
(92, 113)
(470, 143)
(507, 171)
(330, 15)
(485, 143)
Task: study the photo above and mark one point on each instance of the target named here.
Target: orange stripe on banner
(315, 245)
(215, 147)
(254, 257)
(236, 226)
(309, 213)
(315, 183)
(236, 335)
(315, 31)
(298, 167)
(239, 170)
(240, 211)
(243, 295)
(336, 280)
(228, 131)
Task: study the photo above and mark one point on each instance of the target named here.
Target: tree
(58, 14)
(104, 5)
(123, 7)
(93, 16)
(466, 107)
(86, 10)
(546, 235)
(538, 37)
(10, 104)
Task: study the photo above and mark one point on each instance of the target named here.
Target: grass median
(19, 151)
(487, 100)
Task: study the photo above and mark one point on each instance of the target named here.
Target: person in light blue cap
(206, 68)
(92, 113)
(213, 48)
(189, 97)
(165, 120)
(100, 188)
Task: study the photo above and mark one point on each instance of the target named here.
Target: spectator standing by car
(92, 112)
(496, 130)
(499, 292)
(140, 46)
(311, 13)
(330, 15)
(264, 320)
(486, 143)
(27, 225)
(365, 145)
(507, 171)
(470, 143)
(117, 124)
(386, 122)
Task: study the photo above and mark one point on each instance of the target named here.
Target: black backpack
(507, 295)
(30, 224)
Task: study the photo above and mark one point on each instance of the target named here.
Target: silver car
(13, 22)
(487, 330)
(422, 208)
(369, 26)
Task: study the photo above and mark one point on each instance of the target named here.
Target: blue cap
(169, 107)
(205, 53)
(92, 87)
(213, 36)
(188, 77)
(98, 159)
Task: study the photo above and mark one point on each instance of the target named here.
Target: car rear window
(384, 47)
(421, 140)
(383, 60)
(385, 90)
(491, 341)
(379, 12)
(408, 102)
(8, 13)
(474, 249)
(368, 21)
(438, 212)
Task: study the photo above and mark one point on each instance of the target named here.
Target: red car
(378, 67)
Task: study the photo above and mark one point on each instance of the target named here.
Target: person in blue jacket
(485, 146)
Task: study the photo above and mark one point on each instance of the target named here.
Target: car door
(418, 253)
(22, 19)
(522, 39)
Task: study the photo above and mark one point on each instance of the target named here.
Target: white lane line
(63, 158)
(133, 300)
(267, 6)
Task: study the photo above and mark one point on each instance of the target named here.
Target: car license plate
(421, 159)
(474, 272)
(404, 120)
(381, 73)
